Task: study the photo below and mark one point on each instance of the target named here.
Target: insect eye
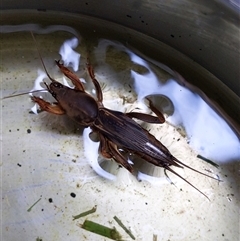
(57, 85)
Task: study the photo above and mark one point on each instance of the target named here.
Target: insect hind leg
(110, 150)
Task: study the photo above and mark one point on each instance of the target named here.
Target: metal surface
(43, 157)
(206, 31)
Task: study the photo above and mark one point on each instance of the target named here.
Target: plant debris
(124, 227)
(93, 210)
(29, 210)
(154, 237)
(97, 228)
(208, 161)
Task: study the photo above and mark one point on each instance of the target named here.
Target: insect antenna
(53, 80)
(45, 69)
(24, 93)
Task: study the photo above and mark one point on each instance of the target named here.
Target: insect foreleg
(75, 80)
(48, 107)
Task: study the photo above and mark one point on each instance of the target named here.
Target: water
(47, 157)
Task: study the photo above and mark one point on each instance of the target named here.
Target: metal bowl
(43, 163)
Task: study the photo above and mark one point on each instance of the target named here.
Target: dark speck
(146, 203)
(129, 16)
(58, 155)
(200, 49)
(172, 35)
(19, 164)
(178, 139)
(17, 129)
(42, 210)
(86, 3)
(50, 200)
(28, 131)
(10, 130)
(72, 194)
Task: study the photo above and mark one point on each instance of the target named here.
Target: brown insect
(116, 130)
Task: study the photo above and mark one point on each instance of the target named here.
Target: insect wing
(128, 134)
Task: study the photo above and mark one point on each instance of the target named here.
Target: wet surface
(44, 161)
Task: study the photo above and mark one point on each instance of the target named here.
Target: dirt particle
(72, 194)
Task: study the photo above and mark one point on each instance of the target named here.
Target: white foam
(91, 153)
(70, 57)
(37, 86)
(66, 83)
(34, 109)
(37, 83)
